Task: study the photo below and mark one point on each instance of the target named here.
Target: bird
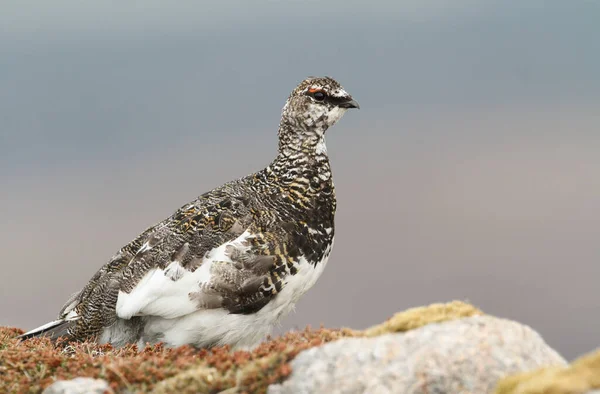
(225, 268)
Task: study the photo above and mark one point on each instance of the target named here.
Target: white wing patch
(218, 326)
(158, 294)
(175, 271)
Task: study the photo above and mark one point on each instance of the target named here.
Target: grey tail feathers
(53, 330)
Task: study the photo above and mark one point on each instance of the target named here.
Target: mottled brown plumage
(266, 224)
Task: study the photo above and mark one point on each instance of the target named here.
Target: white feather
(156, 294)
(335, 114)
(173, 319)
(45, 326)
(321, 148)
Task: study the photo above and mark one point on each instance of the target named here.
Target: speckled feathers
(250, 248)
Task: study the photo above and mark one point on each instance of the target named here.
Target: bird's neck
(301, 147)
(301, 174)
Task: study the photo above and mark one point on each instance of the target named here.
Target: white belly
(219, 327)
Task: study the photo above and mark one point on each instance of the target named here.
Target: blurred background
(471, 171)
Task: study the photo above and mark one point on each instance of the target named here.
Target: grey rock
(78, 386)
(462, 356)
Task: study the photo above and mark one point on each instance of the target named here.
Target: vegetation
(30, 366)
(582, 376)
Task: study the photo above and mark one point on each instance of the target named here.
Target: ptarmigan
(226, 267)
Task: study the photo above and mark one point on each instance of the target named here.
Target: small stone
(79, 386)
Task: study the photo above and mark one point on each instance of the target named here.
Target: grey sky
(158, 16)
(478, 139)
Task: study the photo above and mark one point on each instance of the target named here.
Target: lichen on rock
(582, 376)
(413, 318)
(460, 356)
(455, 339)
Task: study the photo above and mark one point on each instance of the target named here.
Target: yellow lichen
(580, 377)
(271, 364)
(248, 372)
(195, 380)
(32, 365)
(413, 318)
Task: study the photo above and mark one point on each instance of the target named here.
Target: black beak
(351, 103)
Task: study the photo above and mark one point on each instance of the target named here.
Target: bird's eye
(319, 96)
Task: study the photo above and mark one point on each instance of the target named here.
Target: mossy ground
(29, 366)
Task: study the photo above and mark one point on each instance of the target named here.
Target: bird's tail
(53, 330)
(57, 328)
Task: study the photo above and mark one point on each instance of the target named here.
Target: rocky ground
(442, 348)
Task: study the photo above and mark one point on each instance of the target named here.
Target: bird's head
(317, 104)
